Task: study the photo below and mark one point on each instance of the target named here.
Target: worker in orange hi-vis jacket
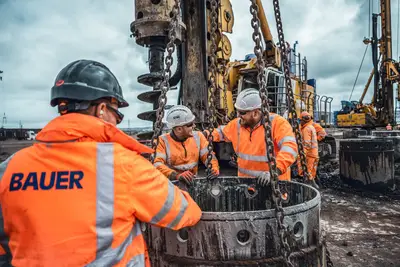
(247, 135)
(179, 151)
(78, 196)
(310, 145)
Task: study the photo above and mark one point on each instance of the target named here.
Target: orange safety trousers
(312, 165)
(310, 145)
(78, 197)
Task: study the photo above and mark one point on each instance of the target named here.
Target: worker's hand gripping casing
(186, 177)
(264, 178)
(213, 175)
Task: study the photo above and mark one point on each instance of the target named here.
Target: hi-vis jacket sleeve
(321, 133)
(204, 153)
(225, 133)
(157, 201)
(283, 135)
(161, 159)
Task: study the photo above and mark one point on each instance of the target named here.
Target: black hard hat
(86, 80)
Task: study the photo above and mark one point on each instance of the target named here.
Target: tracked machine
(239, 226)
(368, 155)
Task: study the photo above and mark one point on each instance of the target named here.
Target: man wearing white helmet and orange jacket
(247, 135)
(310, 144)
(179, 151)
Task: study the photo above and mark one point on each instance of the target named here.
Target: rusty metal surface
(354, 133)
(391, 135)
(194, 78)
(237, 226)
(152, 20)
(367, 162)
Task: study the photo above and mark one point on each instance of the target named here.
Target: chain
(225, 99)
(289, 90)
(225, 74)
(164, 86)
(212, 80)
(261, 79)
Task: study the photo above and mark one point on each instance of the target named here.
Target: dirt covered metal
(238, 226)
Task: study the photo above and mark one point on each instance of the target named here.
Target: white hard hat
(178, 116)
(248, 99)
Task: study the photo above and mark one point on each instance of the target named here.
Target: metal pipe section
(374, 45)
(238, 227)
(367, 86)
(368, 163)
(317, 106)
(329, 101)
(323, 100)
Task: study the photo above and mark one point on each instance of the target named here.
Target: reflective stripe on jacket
(178, 156)
(321, 134)
(250, 146)
(310, 142)
(78, 197)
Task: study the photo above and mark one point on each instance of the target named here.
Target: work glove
(186, 177)
(233, 161)
(213, 175)
(264, 178)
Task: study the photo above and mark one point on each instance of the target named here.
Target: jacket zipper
(183, 145)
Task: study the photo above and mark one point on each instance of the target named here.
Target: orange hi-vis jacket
(79, 195)
(310, 142)
(321, 134)
(250, 147)
(175, 156)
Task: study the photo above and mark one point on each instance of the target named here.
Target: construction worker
(389, 127)
(79, 195)
(321, 133)
(247, 135)
(179, 151)
(310, 145)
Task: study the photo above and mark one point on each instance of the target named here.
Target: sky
(39, 37)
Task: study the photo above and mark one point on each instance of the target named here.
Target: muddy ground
(361, 231)
(363, 228)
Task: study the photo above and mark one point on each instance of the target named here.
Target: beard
(248, 123)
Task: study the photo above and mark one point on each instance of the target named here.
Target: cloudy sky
(39, 37)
